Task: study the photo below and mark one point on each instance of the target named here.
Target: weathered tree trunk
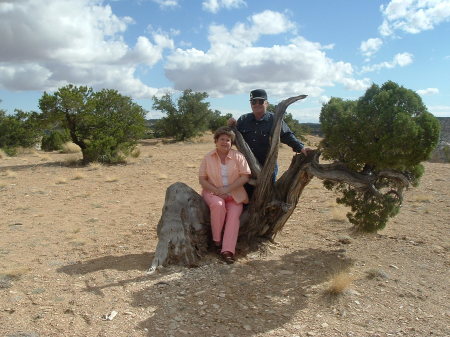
(183, 229)
(184, 225)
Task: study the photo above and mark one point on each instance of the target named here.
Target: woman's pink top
(236, 165)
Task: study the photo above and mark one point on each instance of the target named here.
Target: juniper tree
(387, 130)
(105, 124)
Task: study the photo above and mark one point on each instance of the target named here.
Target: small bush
(10, 151)
(135, 153)
(54, 140)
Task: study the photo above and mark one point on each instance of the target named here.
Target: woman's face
(223, 143)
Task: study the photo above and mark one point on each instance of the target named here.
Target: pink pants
(225, 215)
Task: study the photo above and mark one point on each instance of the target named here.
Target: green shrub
(105, 125)
(388, 128)
(54, 140)
(18, 130)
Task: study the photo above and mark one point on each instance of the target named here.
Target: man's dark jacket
(257, 133)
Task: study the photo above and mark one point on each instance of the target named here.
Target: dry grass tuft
(25, 150)
(61, 181)
(338, 283)
(339, 214)
(14, 274)
(72, 160)
(2, 185)
(95, 166)
(2, 154)
(78, 176)
(421, 198)
(136, 152)
(109, 179)
(70, 147)
(44, 157)
(10, 174)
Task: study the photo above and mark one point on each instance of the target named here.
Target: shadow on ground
(242, 300)
(120, 263)
(215, 299)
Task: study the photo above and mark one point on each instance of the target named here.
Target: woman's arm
(243, 178)
(204, 182)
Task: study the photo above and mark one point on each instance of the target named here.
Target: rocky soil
(75, 244)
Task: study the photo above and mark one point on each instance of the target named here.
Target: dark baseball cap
(258, 93)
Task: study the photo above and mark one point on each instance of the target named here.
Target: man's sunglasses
(259, 101)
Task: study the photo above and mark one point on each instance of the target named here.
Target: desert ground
(76, 242)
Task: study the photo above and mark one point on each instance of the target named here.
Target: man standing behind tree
(255, 128)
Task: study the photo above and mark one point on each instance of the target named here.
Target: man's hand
(305, 150)
(231, 122)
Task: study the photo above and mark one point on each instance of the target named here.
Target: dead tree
(183, 230)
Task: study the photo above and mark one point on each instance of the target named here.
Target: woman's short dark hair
(224, 130)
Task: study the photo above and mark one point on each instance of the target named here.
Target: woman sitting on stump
(223, 172)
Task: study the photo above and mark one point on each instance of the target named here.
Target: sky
(226, 48)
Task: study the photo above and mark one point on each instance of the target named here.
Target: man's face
(259, 106)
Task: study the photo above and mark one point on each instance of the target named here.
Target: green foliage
(217, 120)
(18, 130)
(186, 119)
(388, 128)
(105, 124)
(54, 140)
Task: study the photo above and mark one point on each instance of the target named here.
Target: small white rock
(110, 316)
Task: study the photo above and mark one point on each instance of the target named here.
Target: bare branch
(243, 147)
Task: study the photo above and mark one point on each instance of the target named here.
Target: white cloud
(166, 3)
(214, 6)
(428, 91)
(413, 16)
(440, 110)
(50, 43)
(324, 99)
(401, 60)
(370, 47)
(235, 64)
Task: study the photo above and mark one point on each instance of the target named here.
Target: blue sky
(322, 48)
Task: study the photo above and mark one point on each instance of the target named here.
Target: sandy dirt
(75, 244)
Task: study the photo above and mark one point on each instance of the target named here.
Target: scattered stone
(286, 272)
(247, 327)
(5, 283)
(352, 292)
(345, 239)
(36, 291)
(377, 274)
(24, 334)
(110, 316)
